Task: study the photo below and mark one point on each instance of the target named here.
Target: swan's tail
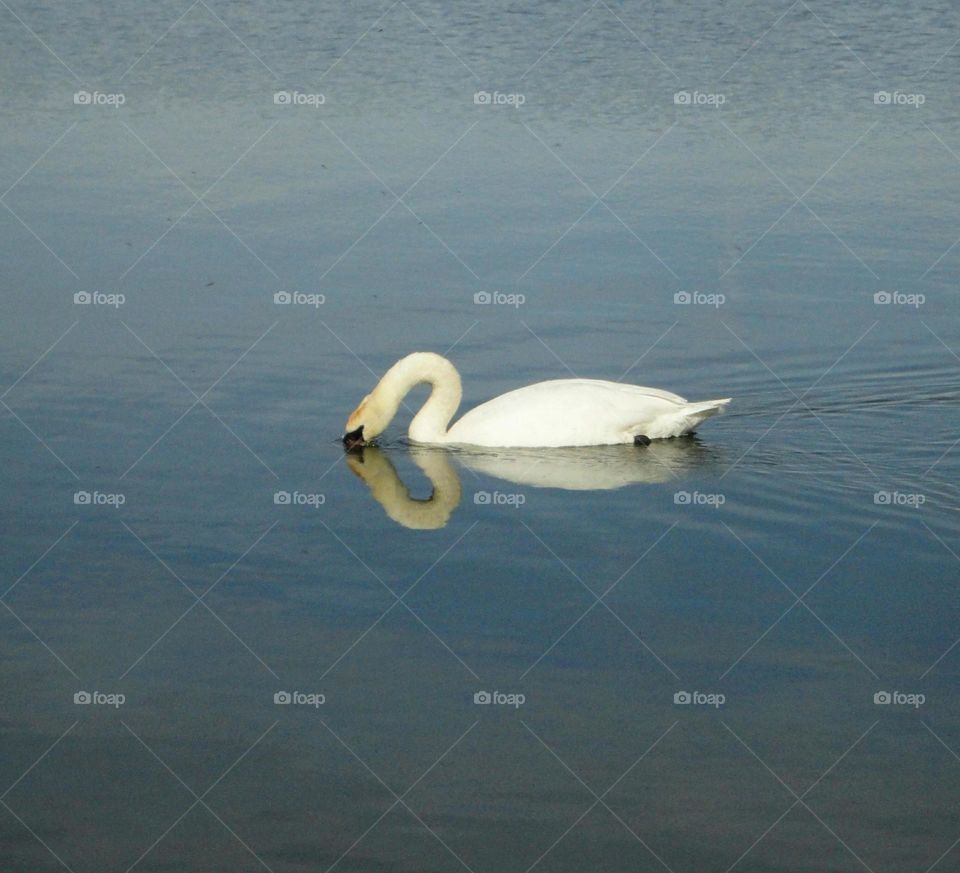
(694, 413)
(680, 420)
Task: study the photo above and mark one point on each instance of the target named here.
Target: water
(798, 556)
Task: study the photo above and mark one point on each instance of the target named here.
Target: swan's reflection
(591, 468)
(375, 468)
(598, 468)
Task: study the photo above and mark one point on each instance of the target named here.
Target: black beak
(354, 439)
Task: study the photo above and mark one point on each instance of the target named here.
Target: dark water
(793, 560)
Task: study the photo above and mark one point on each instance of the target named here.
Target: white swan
(562, 412)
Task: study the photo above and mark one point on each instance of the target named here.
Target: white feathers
(563, 412)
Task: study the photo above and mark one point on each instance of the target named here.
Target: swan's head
(366, 422)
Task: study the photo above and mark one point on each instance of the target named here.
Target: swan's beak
(354, 439)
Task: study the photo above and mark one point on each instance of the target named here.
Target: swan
(558, 413)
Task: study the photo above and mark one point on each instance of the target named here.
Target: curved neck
(429, 425)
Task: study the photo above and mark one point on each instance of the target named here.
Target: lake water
(736, 651)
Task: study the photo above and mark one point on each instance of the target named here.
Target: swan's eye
(354, 438)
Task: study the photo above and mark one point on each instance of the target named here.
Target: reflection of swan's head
(373, 466)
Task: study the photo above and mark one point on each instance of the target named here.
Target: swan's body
(563, 412)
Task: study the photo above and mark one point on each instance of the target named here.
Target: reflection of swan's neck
(429, 425)
(374, 467)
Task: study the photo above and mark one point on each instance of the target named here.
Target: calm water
(793, 560)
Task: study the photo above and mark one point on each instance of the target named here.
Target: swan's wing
(565, 412)
(616, 391)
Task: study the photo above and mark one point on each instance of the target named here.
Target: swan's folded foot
(641, 440)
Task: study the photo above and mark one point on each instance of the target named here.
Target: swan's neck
(429, 425)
